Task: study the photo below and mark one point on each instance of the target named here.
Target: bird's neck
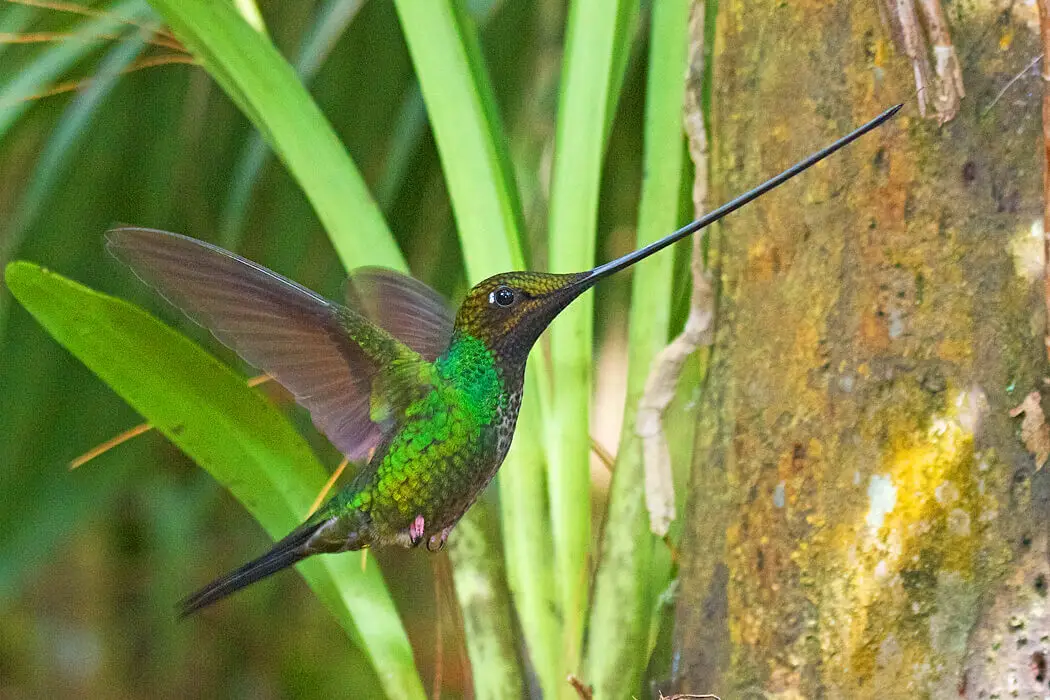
(471, 366)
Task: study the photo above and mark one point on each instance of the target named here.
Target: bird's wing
(328, 356)
(409, 310)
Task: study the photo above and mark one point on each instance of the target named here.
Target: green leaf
(409, 129)
(251, 14)
(61, 148)
(14, 19)
(62, 144)
(332, 20)
(592, 65)
(230, 430)
(625, 583)
(474, 157)
(53, 62)
(468, 131)
(262, 84)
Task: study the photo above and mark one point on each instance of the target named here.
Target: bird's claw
(416, 531)
(437, 542)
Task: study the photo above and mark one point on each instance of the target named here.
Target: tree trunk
(865, 519)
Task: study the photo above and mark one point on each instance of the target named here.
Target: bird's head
(509, 311)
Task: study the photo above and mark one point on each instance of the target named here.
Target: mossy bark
(861, 501)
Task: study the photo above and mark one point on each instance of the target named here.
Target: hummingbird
(429, 398)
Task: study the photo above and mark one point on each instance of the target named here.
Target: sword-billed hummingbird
(433, 397)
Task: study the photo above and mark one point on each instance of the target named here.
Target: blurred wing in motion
(406, 308)
(326, 355)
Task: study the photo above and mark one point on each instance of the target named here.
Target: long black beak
(708, 219)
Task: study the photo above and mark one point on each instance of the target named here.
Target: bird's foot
(437, 542)
(416, 530)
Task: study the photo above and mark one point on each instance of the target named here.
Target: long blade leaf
(590, 69)
(463, 115)
(62, 144)
(230, 430)
(623, 596)
(16, 96)
(332, 20)
(258, 79)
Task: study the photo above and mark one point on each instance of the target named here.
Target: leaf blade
(590, 69)
(629, 572)
(266, 88)
(230, 430)
(50, 64)
(463, 114)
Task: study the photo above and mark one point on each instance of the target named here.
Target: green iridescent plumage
(428, 402)
(446, 437)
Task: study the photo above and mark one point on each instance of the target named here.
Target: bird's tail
(290, 550)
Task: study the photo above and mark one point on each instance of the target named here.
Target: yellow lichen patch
(924, 522)
(954, 350)
(882, 48)
(1006, 39)
(874, 333)
(918, 465)
(1027, 250)
(819, 190)
(761, 260)
(807, 341)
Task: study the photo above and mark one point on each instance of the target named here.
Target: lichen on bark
(859, 489)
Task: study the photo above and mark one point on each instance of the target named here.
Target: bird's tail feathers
(288, 551)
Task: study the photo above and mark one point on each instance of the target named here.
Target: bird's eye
(504, 296)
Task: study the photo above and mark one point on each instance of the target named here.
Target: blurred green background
(92, 561)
